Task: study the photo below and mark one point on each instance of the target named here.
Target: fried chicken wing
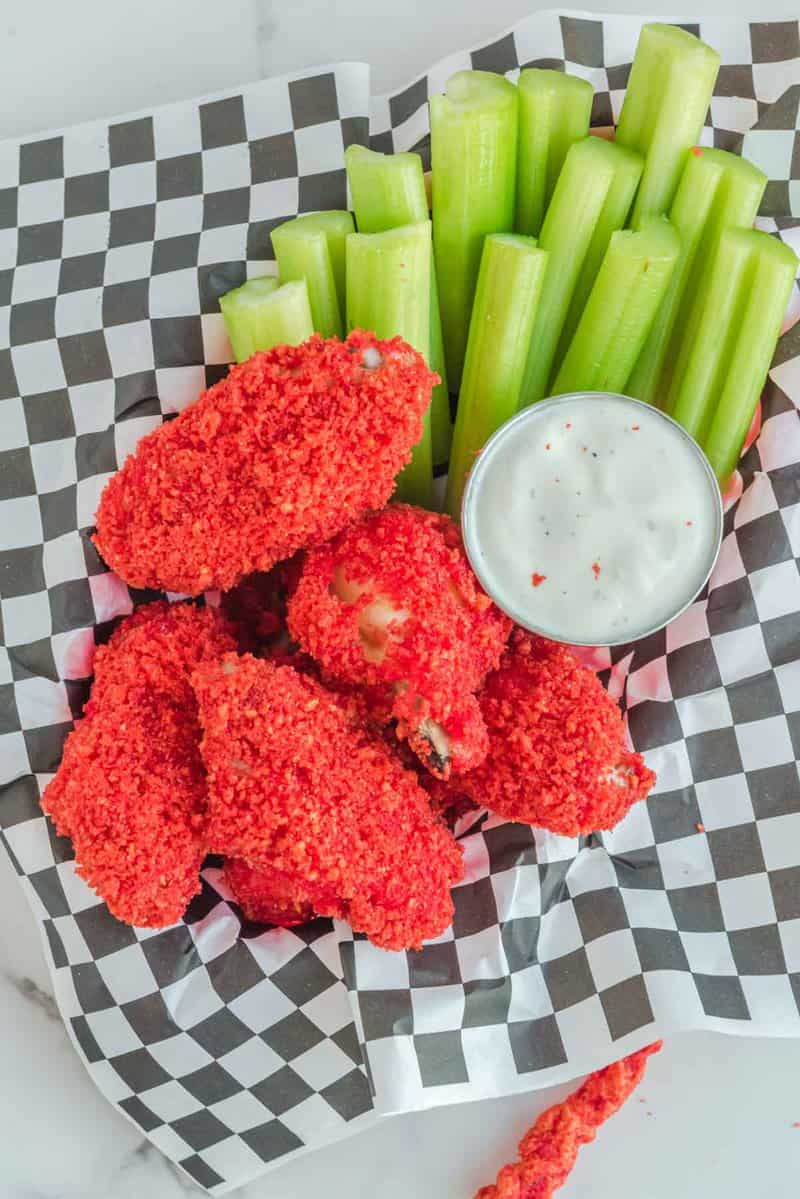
(130, 790)
(285, 451)
(392, 604)
(557, 756)
(296, 787)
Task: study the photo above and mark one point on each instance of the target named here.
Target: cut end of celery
(671, 39)
(260, 315)
(552, 82)
(469, 90)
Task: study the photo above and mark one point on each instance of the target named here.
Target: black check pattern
(232, 1047)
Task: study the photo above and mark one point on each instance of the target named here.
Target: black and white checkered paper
(233, 1047)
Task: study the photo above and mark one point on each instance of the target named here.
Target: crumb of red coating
(282, 453)
(557, 755)
(450, 634)
(294, 783)
(549, 1150)
(130, 790)
(266, 896)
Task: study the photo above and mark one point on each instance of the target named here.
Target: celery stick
(389, 293)
(627, 173)
(570, 225)
(389, 190)
(669, 89)
(260, 315)
(474, 153)
(240, 310)
(725, 358)
(554, 112)
(623, 303)
(717, 191)
(311, 247)
(509, 286)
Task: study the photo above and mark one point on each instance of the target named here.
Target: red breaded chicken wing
(130, 790)
(295, 786)
(285, 451)
(392, 604)
(557, 755)
(266, 896)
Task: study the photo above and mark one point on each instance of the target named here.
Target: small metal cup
(509, 430)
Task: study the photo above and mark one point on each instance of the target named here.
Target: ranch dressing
(592, 519)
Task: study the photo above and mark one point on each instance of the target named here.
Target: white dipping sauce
(592, 519)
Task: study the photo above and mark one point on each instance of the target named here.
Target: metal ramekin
(509, 429)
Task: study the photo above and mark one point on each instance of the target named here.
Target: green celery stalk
(509, 286)
(623, 303)
(388, 190)
(669, 90)
(726, 356)
(312, 247)
(388, 292)
(619, 198)
(569, 230)
(554, 112)
(260, 314)
(474, 152)
(717, 191)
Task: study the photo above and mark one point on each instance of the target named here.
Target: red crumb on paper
(796, 1124)
(636, 428)
(596, 569)
(547, 447)
(701, 828)
(538, 579)
(549, 1150)
(697, 151)
(568, 425)
(689, 524)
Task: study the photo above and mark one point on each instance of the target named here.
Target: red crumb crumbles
(549, 1150)
(596, 570)
(393, 603)
(537, 579)
(130, 790)
(282, 453)
(557, 755)
(292, 783)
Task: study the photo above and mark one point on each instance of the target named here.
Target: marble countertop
(688, 1133)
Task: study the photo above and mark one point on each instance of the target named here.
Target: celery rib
(474, 151)
(570, 229)
(388, 190)
(669, 90)
(726, 356)
(554, 112)
(260, 314)
(312, 247)
(623, 303)
(388, 292)
(717, 191)
(509, 286)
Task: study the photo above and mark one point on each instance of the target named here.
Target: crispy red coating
(294, 784)
(392, 603)
(130, 790)
(266, 896)
(282, 453)
(548, 1151)
(557, 755)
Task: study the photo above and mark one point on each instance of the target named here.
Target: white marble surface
(716, 1115)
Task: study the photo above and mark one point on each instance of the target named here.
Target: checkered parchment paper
(232, 1047)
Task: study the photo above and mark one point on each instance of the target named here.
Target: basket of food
(400, 608)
